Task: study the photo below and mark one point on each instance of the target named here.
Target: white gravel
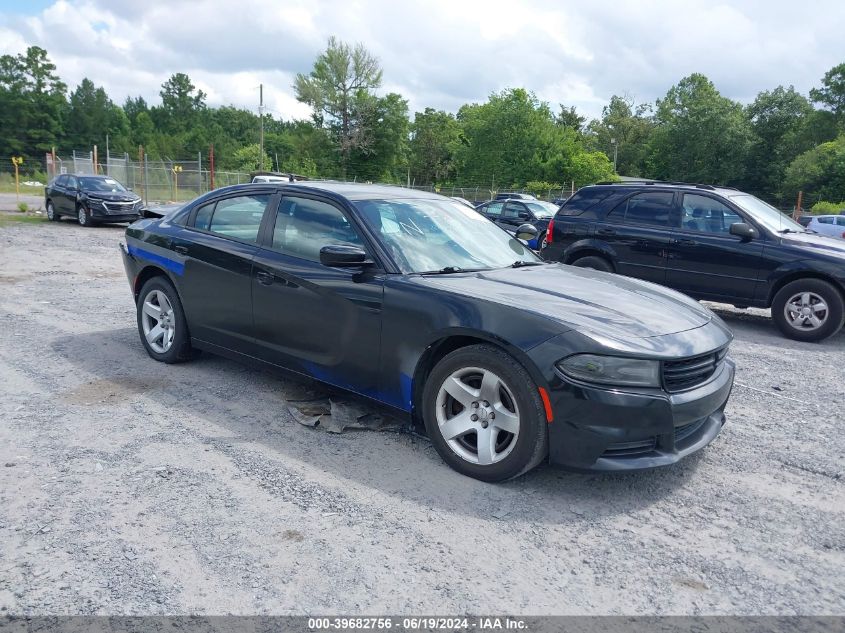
(130, 487)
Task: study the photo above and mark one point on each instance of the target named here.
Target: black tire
(595, 262)
(833, 316)
(51, 212)
(83, 216)
(530, 444)
(180, 347)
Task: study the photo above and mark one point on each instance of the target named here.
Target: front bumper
(599, 429)
(102, 213)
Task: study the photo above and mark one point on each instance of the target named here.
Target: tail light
(550, 231)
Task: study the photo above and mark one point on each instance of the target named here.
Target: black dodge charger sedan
(91, 200)
(423, 305)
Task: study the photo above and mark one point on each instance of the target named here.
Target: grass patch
(19, 218)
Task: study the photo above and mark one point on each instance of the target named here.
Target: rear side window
(584, 199)
(825, 220)
(238, 217)
(840, 221)
(203, 217)
(653, 208)
(494, 208)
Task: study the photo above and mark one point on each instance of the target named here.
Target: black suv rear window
(584, 199)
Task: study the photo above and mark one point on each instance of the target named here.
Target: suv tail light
(551, 229)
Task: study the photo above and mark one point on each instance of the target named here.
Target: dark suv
(91, 200)
(712, 243)
(511, 214)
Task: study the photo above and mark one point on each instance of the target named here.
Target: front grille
(627, 449)
(683, 432)
(119, 208)
(680, 375)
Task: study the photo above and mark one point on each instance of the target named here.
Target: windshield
(100, 184)
(766, 214)
(542, 209)
(432, 235)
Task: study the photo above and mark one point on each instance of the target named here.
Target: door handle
(605, 232)
(264, 277)
(183, 250)
(684, 242)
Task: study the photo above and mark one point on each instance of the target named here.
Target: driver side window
(304, 226)
(707, 215)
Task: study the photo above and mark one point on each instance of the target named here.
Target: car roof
(349, 190)
(661, 184)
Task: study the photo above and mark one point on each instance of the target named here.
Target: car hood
(820, 244)
(113, 196)
(583, 299)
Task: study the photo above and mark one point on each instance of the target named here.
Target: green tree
(91, 116)
(568, 117)
(832, 92)
(434, 135)
(181, 104)
(32, 104)
(385, 157)
(625, 128)
(510, 140)
(778, 121)
(248, 158)
(340, 92)
(819, 171)
(701, 136)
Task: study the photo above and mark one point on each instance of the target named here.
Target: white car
(832, 225)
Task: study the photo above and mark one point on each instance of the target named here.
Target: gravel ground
(130, 487)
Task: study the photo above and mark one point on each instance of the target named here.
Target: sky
(436, 53)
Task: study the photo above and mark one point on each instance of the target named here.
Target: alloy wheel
(82, 216)
(477, 415)
(806, 311)
(158, 321)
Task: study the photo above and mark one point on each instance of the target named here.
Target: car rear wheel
(594, 262)
(51, 212)
(484, 415)
(161, 322)
(808, 310)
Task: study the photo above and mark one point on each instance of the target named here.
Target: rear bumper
(597, 429)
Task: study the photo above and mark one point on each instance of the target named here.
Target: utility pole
(261, 118)
(108, 156)
(615, 150)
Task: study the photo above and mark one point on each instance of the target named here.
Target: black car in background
(422, 305)
(511, 214)
(712, 243)
(91, 200)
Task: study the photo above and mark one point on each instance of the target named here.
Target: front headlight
(612, 370)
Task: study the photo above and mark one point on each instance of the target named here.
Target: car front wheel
(483, 413)
(808, 310)
(83, 216)
(161, 322)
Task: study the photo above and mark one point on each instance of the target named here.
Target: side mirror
(743, 230)
(523, 215)
(343, 256)
(526, 232)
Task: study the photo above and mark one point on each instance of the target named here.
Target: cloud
(438, 53)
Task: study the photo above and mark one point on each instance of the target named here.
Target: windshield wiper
(520, 264)
(447, 270)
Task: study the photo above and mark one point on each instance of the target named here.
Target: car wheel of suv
(161, 322)
(83, 216)
(594, 262)
(51, 212)
(484, 415)
(808, 310)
